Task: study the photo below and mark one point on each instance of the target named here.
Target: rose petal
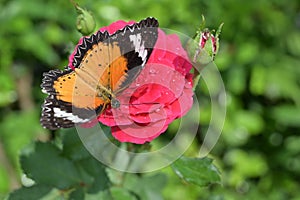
(160, 94)
(149, 133)
(123, 137)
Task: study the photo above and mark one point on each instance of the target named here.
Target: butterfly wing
(136, 44)
(130, 49)
(104, 65)
(71, 100)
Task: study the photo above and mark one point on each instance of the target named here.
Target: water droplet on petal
(152, 71)
(189, 84)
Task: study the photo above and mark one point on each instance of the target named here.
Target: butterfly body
(103, 66)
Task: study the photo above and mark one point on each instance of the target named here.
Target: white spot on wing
(44, 91)
(69, 116)
(139, 46)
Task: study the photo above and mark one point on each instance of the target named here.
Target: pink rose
(160, 94)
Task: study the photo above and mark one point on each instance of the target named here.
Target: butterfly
(104, 66)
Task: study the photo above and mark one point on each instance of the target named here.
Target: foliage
(258, 152)
(60, 172)
(199, 171)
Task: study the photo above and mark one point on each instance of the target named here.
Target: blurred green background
(259, 60)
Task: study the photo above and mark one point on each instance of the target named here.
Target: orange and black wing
(71, 100)
(130, 48)
(104, 66)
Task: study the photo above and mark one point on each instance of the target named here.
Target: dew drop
(189, 84)
(152, 71)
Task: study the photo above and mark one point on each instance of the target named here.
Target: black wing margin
(136, 43)
(147, 27)
(60, 114)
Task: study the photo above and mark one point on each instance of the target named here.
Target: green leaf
(96, 170)
(121, 194)
(115, 176)
(147, 187)
(199, 171)
(45, 165)
(103, 195)
(77, 194)
(114, 193)
(72, 145)
(86, 179)
(32, 193)
(155, 182)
